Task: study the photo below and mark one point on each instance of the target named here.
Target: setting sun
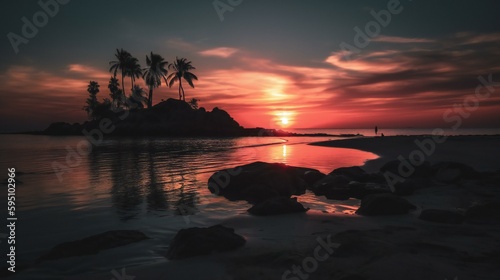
(284, 121)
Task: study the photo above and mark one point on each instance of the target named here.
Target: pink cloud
(400, 40)
(219, 52)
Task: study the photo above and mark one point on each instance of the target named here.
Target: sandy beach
(480, 152)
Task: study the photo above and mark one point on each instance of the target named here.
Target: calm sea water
(154, 185)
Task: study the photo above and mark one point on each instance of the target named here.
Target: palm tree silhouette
(93, 90)
(121, 63)
(133, 69)
(181, 71)
(116, 93)
(153, 74)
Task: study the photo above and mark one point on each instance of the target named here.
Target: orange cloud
(219, 52)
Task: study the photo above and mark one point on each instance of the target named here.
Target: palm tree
(153, 74)
(121, 63)
(181, 71)
(93, 90)
(133, 69)
(137, 98)
(116, 93)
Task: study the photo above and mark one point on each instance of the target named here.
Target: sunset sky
(265, 61)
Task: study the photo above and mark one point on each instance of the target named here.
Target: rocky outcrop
(167, 118)
(277, 206)
(203, 241)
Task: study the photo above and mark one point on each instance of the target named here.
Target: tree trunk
(150, 99)
(123, 83)
(180, 87)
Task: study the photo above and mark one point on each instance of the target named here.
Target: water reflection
(158, 175)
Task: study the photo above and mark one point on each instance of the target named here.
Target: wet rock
(355, 173)
(441, 216)
(450, 172)
(94, 244)
(333, 187)
(360, 190)
(277, 206)
(203, 241)
(313, 176)
(258, 181)
(384, 204)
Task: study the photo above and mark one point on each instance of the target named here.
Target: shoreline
(479, 151)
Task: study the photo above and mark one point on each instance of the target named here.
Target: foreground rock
(277, 206)
(259, 181)
(384, 204)
(441, 216)
(94, 244)
(450, 172)
(203, 241)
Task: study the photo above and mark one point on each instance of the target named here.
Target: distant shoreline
(478, 151)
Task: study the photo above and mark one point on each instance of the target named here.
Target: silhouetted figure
(382, 135)
(376, 130)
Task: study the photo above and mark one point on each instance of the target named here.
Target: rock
(360, 190)
(258, 181)
(450, 172)
(313, 176)
(484, 212)
(203, 241)
(355, 173)
(277, 206)
(441, 216)
(384, 204)
(94, 244)
(333, 187)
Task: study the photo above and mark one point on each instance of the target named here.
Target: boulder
(441, 216)
(333, 187)
(360, 190)
(450, 172)
(384, 204)
(94, 244)
(277, 206)
(258, 181)
(203, 241)
(355, 173)
(312, 176)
